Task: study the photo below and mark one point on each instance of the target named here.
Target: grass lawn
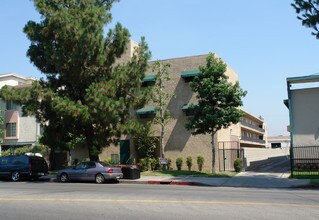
(187, 173)
(305, 175)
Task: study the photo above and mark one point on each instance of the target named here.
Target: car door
(4, 171)
(90, 171)
(77, 172)
(82, 171)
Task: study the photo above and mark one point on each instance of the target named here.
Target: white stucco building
(18, 130)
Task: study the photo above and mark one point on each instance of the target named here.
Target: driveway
(273, 172)
(271, 165)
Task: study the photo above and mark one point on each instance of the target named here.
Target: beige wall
(305, 118)
(178, 141)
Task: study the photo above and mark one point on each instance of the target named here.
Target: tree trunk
(162, 138)
(89, 142)
(213, 154)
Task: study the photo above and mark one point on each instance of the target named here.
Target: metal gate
(228, 151)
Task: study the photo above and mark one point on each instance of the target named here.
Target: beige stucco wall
(178, 141)
(305, 108)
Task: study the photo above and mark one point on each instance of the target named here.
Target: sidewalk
(243, 179)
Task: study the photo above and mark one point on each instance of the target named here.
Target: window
(10, 105)
(11, 129)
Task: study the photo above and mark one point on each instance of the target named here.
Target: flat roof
(304, 79)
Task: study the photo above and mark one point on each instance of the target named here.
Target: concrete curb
(191, 182)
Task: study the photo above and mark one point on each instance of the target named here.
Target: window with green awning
(189, 74)
(149, 80)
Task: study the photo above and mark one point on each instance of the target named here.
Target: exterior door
(125, 151)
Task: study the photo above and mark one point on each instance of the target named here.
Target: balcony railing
(256, 140)
(255, 127)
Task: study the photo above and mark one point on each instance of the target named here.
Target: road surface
(76, 201)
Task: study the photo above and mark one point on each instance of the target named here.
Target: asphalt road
(44, 200)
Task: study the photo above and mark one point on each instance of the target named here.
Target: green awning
(146, 110)
(150, 78)
(190, 73)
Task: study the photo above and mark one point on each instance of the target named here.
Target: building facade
(18, 130)
(178, 141)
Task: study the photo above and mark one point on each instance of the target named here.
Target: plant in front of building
(144, 140)
(86, 92)
(169, 164)
(179, 163)
(144, 164)
(238, 165)
(155, 165)
(218, 101)
(189, 163)
(161, 99)
(200, 162)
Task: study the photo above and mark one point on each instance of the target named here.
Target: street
(50, 200)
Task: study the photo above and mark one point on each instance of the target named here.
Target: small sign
(163, 161)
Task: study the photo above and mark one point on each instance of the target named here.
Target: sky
(263, 41)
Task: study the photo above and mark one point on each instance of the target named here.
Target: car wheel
(15, 176)
(64, 178)
(99, 178)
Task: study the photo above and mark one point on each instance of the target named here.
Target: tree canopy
(309, 10)
(88, 92)
(218, 100)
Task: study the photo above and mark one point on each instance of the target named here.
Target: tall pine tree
(86, 95)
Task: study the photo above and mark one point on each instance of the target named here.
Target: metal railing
(256, 140)
(255, 127)
(305, 161)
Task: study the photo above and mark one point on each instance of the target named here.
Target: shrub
(200, 162)
(155, 165)
(179, 163)
(189, 162)
(238, 165)
(144, 164)
(169, 163)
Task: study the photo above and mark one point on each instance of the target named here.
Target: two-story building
(19, 130)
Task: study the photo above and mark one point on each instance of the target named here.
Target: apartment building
(18, 130)
(252, 131)
(178, 141)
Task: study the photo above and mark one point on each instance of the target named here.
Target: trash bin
(131, 173)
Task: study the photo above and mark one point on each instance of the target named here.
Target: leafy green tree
(309, 10)
(144, 141)
(88, 92)
(218, 101)
(161, 99)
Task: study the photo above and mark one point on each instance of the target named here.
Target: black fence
(227, 154)
(305, 161)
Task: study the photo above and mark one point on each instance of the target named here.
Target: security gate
(228, 151)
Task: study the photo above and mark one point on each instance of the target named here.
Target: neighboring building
(279, 141)
(253, 131)
(303, 108)
(18, 130)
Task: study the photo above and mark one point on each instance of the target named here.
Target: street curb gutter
(169, 182)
